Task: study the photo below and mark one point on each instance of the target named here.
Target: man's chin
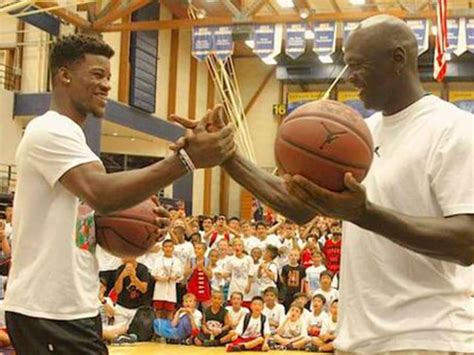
(99, 113)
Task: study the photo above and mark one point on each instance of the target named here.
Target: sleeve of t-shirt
(56, 150)
(240, 327)
(266, 328)
(451, 168)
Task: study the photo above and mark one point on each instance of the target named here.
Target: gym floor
(158, 348)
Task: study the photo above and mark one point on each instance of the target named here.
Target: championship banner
(324, 38)
(421, 29)
(453, 35)
(296, 99)
(202, 42)
(348, 27)
(223, 46)
(351, 98)
(267, 40)
(463, 99)
(470, 34)
(295, 41)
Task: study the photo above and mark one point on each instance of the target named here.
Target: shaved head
(382, 54)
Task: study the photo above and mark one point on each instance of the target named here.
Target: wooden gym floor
(158, 348)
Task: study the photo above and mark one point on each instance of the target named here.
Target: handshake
(207, 143)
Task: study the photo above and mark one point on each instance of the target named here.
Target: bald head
(382, 55)
(382, 35)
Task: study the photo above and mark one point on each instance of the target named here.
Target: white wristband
(186, 160)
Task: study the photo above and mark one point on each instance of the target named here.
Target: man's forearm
(267, 188)
(450, 239)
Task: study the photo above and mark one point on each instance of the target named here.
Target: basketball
(321, 141)
(128, 233)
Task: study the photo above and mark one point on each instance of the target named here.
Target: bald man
(408, 248)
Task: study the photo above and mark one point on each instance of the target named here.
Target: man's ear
(399, 59)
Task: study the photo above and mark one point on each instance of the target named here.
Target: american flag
(441, 42)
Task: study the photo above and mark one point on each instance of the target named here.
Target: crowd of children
(219, 282)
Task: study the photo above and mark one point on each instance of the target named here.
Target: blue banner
(325, 38)
(421, 30)
(264, 37)
(223, 46)
(202, 42)
(295, 41)
(453, 35)
(348, 27)
(470, 34)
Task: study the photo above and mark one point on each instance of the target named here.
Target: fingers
(228, 130)
(352, 184)
(183, 121)
(216, 117)
(320, 194)
(161, 212)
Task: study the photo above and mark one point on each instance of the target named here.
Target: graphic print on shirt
(294, 278)
(85, 232)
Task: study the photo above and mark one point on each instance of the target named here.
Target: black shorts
(40, 336)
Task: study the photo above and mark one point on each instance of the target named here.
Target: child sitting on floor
(253, 331)
(236, 311)
(293, 332)
(185, 324)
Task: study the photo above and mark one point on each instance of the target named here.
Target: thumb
(217, 117)
(180, 143)
(183, 121)
(352, 184)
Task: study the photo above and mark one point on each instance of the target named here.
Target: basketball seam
(335, 118)
(325, 157)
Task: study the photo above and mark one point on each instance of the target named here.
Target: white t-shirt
(266, 281)
(240, 269)
(425, 169)
(51, 277)
(235, 316)
(253, 242)
(276, 314)
(294, 329)
(166, 267)
(254, 328)
(274, 240)
(197, 316)
(321, 321)
(107, 261)
(184, 252)
(312, 276)
(255, 286)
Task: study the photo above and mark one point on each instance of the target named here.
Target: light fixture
(200, 14)
(326, 59)
(309, 34)
(357, 2)
(269, 60)
(115, 134)
(434, 30)
(286, 4)
(250, 43)
(304, 13)
(132, 139)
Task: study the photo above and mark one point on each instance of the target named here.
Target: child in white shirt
(268, 270)
(235, 310)
(168, 271)
(293, 332)
(313, 272)
(326, 290)
(274, 311)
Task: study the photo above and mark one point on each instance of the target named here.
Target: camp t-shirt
(54, 272)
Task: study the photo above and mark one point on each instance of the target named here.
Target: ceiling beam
(222, 21)
(302, 4)
(176, 8)
(109, 7)
(335, 6)
(119, 12)
(255, 7)
(64, 14)
(272, 7)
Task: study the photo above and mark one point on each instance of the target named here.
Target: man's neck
(409, 92)
(63, 106)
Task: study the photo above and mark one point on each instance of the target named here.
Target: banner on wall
(351, 98)
(267, 40)
(347, 28)
(421, 29)
(453, 35)
(296, 99)
(324, 38)
(295, 41)
(201, 42)
(469, 34)
(223, 45)
(463, 99)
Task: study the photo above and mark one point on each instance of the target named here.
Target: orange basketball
(321, 141)
(128, 233)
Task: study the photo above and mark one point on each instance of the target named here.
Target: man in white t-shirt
(53, 284)
(409, 231)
